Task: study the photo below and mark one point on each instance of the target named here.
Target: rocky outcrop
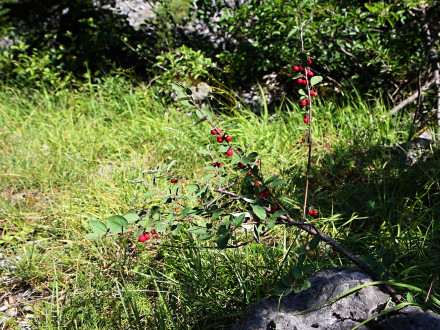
(310, 309)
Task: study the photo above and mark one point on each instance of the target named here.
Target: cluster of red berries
(313, 213)
(264, 193)
(305, 102)
(173, 180)
(146, 236)
(217, 164)
(306, 119)
(221, 138)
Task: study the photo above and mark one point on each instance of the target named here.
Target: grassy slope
(68, 157)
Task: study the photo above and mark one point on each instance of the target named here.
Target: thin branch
(413, 97)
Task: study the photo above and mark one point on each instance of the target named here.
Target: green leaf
(313, 244)
(200, 120)
(315, 80)
(217, 213)
(116, 223)
(252, 155)
(301, 92)
(91, 236)
(296, 272)
(98, 227)
(278, 182)
(170, 217)
(223, 148)
(131, 217)
(175, 229)
(222, 230)
(203, 151)
(271, 179)
(222, 241)
(161, 227)
(205, 237)
(278, 213)
(197, 231)
(185, 212)
(177, 87)
(154, 210)
(259, 211)
(271, 223)
(286, 281)
(239, 220)
(251, 201)
(192, 188)
(245, 160)
(207, 177)
(149, 193)
(306, 285)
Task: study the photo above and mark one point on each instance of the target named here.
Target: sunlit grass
(70, 156)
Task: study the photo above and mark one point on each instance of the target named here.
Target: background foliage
(84, 114)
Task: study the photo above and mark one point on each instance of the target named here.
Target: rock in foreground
(344, 313)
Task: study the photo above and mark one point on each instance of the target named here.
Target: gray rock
(344, 313)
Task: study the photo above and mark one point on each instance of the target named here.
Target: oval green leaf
(116, 223)
(259, 211)
(98, 227)
(91, 236)
(315, 80)
(192, 188)
(222, 241)
(277, 182)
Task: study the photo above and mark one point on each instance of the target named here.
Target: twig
(412, 98)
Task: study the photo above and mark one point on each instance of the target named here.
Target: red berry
(266, 193)
(214, 164)
(304, 82)
(301, 68)
(309, 61)
(229, 152)
(306, 119)
(173, 180)
(273, 209)
(214, 132)
(219, 139)
(228, 138)
(147, 236)
(300, 81)
(258, 163)
(291, 278)
(307, 101)
(311, 212)
(142, 238)
(303, 103)
(257, 184)
(296, 68)
(303, 138)
(249, 173)
(313, 93)
(153, 232)
(219, 164)
(240, 165)
(309, 73)
(315, 213)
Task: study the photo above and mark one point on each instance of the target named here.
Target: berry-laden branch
(233, 195)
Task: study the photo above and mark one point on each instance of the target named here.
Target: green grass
(71, 156)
